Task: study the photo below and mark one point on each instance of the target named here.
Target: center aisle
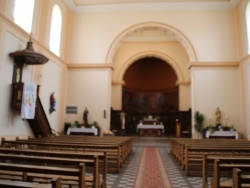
(152, 172)
(127, 177)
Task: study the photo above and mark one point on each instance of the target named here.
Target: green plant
(232, 128)
(199, 120)
(211, 129)
(94, 124)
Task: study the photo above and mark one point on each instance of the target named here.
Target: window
(23, 14)
(55, 30)
(248, 25)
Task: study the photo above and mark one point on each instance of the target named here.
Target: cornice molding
(88, 66)
(183, 83)
(118, 82)
(213, 64)
(171, 5)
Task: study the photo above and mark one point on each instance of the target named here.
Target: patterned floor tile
(127, 176)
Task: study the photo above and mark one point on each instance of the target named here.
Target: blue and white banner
(29, 101)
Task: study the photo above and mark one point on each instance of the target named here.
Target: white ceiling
(102, 2)
(120, 5)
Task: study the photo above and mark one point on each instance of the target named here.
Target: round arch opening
(150, 87)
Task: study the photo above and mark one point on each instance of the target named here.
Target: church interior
(128, 72)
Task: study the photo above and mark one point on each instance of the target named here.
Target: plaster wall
(211, 32)
(218, 87)
(53, 84)
(10, 120)
(184, 97)
(89, 88)
(49, 76)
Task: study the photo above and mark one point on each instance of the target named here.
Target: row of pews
(216, 158)
(81, 161)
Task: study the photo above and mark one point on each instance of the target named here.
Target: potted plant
(211, 129)
(94, 125)
(232, 128)
(199, 120)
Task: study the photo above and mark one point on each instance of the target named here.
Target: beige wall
(214, 87)
(93, 33)
(49, 76)
(91, 89)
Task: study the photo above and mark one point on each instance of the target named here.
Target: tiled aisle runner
(152, 172)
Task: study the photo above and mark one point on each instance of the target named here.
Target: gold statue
(218, 115)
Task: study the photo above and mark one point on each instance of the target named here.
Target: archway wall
(210, 33)
(172, 52)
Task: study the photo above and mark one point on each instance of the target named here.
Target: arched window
(248, 25)
(23, 14)
(55, 30)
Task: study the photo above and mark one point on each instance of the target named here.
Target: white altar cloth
(82, 130)
(222, 134)
(142, 126)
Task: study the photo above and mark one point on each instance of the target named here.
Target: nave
(126, 178)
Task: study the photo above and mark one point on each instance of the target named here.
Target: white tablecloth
(82, 130)
(222, 134)
(142, 126)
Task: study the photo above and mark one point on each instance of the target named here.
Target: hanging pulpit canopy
(29, 56)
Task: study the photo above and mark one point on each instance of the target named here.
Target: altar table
(79, 130)
(222, 134)
(141, 127)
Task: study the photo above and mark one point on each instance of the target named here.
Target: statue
(52, 103)
(218, 116)
(122, 117)
(85, 116)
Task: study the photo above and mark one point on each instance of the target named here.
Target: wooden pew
(218, 167)
(208, 159)
(124, 142)
(189, 152)
(54, 161)
(55, 183)
(194, 154)
(240, 180)
(114, 161)
(71, 155)
(25, 169)
(177, 145)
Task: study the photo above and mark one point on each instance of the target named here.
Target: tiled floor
(126, 178)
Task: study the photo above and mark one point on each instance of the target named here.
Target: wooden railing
(40, 125)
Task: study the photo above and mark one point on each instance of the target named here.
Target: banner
(29, 100)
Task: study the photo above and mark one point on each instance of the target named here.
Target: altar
(150, 129)
(150, 126)
(222, 134)
(82, 131)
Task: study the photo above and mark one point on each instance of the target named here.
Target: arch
(177, 34)
(155, 54)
